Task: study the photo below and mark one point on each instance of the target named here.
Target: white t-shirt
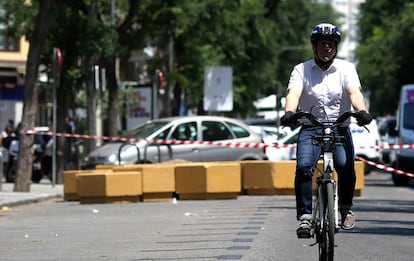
(324, 93)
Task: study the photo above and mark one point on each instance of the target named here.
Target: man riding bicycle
(327, 87)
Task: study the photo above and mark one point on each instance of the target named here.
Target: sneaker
(304, 229)
(348, 220)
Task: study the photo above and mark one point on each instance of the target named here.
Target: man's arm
(292, 99)
(357, 99)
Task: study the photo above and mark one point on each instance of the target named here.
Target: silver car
(193, 132)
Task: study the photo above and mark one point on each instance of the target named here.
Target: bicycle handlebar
(316, 122)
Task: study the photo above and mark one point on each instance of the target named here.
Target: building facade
(348, 24)
(13, 56)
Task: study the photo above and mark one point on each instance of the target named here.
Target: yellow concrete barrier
(106, 167)
(268, 177)
(158, 180)
(208, 180)
(70, 187)
(259, 177)
(199, 180)
(70, 191)
(278, 177)
(109, 187)
(360, 178)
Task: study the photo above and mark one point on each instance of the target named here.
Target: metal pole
(54, 105)
(98, 117)
(1, 169)
(57, 63)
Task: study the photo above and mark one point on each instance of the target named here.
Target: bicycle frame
(328, 167)
(327, 143)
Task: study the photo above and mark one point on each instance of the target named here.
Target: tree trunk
(25, 159)
(165, 98)
(91, 91)
(61, 113)
(110, 65)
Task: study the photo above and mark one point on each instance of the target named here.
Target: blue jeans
(308, 155)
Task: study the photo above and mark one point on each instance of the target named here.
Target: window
(146, 130)
(7, 41)
(239, 131)
(163, 135)
(213, 131)
(185, 131)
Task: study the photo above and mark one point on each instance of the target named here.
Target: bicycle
(324, 223)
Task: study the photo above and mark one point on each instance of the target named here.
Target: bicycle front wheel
(330, 221)
(327, 231)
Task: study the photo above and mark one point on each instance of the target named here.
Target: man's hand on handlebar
(286, 120)
(363, 118)
(290, 118)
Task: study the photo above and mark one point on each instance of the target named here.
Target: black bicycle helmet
(325, 30)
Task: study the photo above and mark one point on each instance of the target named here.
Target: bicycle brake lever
(365, 127)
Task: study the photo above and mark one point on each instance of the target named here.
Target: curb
(25, 199)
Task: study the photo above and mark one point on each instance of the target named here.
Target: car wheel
(11, 174)
(367, 168)
(37, 176)
(400, 180)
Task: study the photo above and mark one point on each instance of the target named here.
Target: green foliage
(385, 51)
(261, 40)
(22, 16)
(257, 41)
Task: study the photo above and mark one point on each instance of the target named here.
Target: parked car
(268, 129)
(287, 147)
(196, 128)
(388, 135)
(363, 139)
(405, 135)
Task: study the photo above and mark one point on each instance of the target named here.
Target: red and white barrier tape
(218, 143)
(390, 147)
(158, 141)
(226, 144)
(386, 168)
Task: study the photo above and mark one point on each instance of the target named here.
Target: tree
(122, 30)
(251, 36)
(82, 39)
(259, 39)
(36, 39)
(385, 51)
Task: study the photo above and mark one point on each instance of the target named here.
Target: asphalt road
(248, 228)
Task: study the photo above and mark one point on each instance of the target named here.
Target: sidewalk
(38, 192)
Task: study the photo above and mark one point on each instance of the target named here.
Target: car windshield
(146, 130)
(409, 120)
